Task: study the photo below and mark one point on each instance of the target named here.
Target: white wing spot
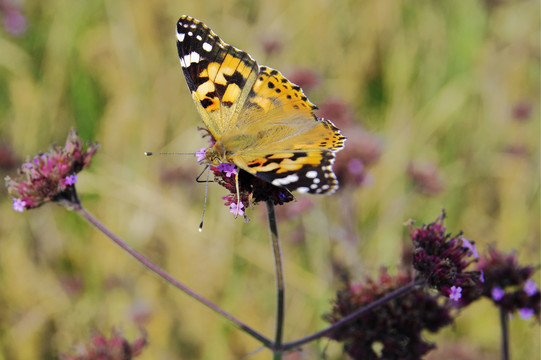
(180, 37)
(192, 57)
(190, 33)
(207, 47)
(285, 181)
(312, 174)
(193, 26)
(198, 37)
(303, 189)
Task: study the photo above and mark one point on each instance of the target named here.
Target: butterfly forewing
(218, 75)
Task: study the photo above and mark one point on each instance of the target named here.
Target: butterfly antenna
(149, 153)
(206, 196)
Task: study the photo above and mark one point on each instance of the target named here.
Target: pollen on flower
(18, 205)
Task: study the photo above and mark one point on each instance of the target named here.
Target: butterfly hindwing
(287, 144)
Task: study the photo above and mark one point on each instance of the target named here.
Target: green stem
(279, 275)
(164, 275)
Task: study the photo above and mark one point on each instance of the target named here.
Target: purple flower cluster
(50, 176)
(251, 189)
(114, 348)
(509, 284)
(442, 261)
(396, 326)
(12, 18)
(363, 151)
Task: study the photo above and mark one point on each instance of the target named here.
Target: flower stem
(504, 319)
(353, 316)
(279, 274)
(164, 275)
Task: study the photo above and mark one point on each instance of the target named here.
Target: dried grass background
(453, 84)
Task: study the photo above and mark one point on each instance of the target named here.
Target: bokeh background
(439, 99)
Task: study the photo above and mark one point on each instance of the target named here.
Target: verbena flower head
(50, 176)
(364, 150)
(442, 261)
(305, 78)
(426, 178)
(251, 189)
(509, 285)
(12, 18)
(114, 348)
(395, 327)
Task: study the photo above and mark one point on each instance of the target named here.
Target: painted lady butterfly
(259, 120)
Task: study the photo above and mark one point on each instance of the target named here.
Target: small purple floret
(201, 154)
(236, 211)
(229, 169)
(70, 180)
(470, 246)
(497, 293)
(526, 313)
(18, 205)
(456, 293)
(530, 287)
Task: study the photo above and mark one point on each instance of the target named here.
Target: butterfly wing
(264, 122)
(280, 140)
(218, 75)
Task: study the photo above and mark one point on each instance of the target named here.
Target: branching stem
(164, 275)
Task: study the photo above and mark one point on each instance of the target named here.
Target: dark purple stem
(353, 316)
(279, 275)
(146, 262)
(505, 334)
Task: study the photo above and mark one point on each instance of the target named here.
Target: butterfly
(259, 120)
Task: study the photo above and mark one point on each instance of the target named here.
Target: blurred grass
(436, 81)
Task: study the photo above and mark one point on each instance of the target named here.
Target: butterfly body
(259, 120)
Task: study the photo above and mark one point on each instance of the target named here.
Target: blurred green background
(447, 91)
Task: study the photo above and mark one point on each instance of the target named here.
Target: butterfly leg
(238, 194)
